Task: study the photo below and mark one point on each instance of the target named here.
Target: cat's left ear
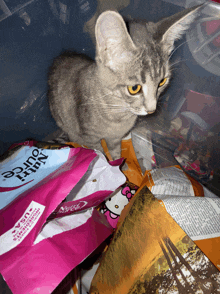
(172, 28)
(114, 45)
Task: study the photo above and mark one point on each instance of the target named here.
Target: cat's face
(139, 81)
(142, 80)
(134, 67)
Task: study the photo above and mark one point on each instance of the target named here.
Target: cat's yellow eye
(133, 90)
(162, 82)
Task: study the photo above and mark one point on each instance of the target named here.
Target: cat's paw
(115, 153)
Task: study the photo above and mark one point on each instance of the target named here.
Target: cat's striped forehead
(150, 62)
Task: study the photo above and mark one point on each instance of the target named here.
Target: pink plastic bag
(35, 255)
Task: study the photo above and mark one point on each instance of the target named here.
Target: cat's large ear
(172, 28)
(114, 44)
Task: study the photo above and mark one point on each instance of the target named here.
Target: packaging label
(22, 228)
(28, 167)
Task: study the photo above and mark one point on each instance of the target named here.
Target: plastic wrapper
(48, 199)
(151, 253)
(184, 199)
(190, 139)
(185, 129)
(175, 191)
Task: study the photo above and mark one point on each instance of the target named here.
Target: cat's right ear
(172, 28)
(114, 44)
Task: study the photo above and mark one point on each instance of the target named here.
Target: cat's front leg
(89, 141)
(114, 148)
(116, 154)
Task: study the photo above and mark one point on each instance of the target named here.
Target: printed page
(199, 217)
(171, 181)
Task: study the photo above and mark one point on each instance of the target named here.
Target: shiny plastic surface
(186, 128)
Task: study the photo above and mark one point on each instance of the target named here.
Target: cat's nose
(150, 112)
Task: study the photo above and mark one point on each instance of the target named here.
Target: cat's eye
(133, 90)
(162, 82)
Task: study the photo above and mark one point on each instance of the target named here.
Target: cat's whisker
(117, 97)
(171, 65)
(113, 110)
(122, 109)
(108, 108)
(172, 69)
(99, 103)
(97, 98)
(179, 47)
(113, 94)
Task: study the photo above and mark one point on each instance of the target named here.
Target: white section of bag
(87, 278)
(128, 137)
(171, 181)
(22, 228)
(99, 176)
(66, 223)
(70, 291)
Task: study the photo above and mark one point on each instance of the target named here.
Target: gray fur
(89, 99)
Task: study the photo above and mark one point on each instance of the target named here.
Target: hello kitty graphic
(116, 203)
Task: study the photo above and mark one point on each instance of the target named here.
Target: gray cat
(91, 100)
